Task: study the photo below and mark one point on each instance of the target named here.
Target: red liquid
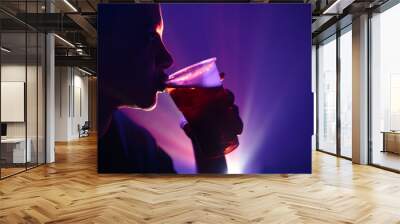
(206, 119)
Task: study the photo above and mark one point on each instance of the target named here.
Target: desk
(391, 141)
(13, 150)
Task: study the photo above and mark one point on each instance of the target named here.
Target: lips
(162, 78)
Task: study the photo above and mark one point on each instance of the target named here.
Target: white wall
(16, 73)
(71, 102)
(33, 127)
(62, 82)
(80, 110)
(9, 73)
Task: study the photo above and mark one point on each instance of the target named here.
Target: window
(327, 96)
(385, 88)
(346, 93)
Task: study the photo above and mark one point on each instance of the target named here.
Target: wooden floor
(386, 159)
(5, 172)
(70, 191)
(8, 171)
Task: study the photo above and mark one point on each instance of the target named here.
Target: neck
(107, 104)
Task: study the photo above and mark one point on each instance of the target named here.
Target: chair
(84, 130)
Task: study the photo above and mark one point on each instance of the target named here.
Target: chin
(148, 104)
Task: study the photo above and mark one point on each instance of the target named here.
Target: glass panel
(41, 98)
(385, 81)
(13, 86)
(346, 94)
(32, 87)
(327, 96)
(31, 97)
(314, 84)
(22, 87)
(395, 102)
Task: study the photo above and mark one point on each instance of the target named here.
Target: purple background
(265, 51)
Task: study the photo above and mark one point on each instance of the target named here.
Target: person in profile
(131, 63)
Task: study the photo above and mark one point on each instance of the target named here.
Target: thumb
(190, 133)
(187, 129)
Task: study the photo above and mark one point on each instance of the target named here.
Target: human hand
(213, 121)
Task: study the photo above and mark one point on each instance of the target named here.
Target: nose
(164, 59)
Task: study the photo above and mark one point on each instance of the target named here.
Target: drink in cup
(194, 90)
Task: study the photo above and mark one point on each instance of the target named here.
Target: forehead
(151, 15)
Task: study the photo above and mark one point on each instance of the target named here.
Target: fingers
(235, 109)
(222, 76)
(187, 129)
(234, 123)
(230, 98)
(224, 98)
(236, 120)
(227, 113)
(217, 120)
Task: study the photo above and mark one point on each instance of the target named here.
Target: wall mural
(204, 88)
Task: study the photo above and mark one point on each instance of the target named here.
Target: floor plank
(71, 191)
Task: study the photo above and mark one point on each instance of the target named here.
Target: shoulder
(129, 130)
(130, 147)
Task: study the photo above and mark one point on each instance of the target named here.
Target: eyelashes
(153, 36)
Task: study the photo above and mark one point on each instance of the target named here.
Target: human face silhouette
(155, 60)
(144, 58)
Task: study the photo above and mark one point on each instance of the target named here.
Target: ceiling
(75, 22)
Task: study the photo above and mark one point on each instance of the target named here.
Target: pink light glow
(160, 26)
(163, 122)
